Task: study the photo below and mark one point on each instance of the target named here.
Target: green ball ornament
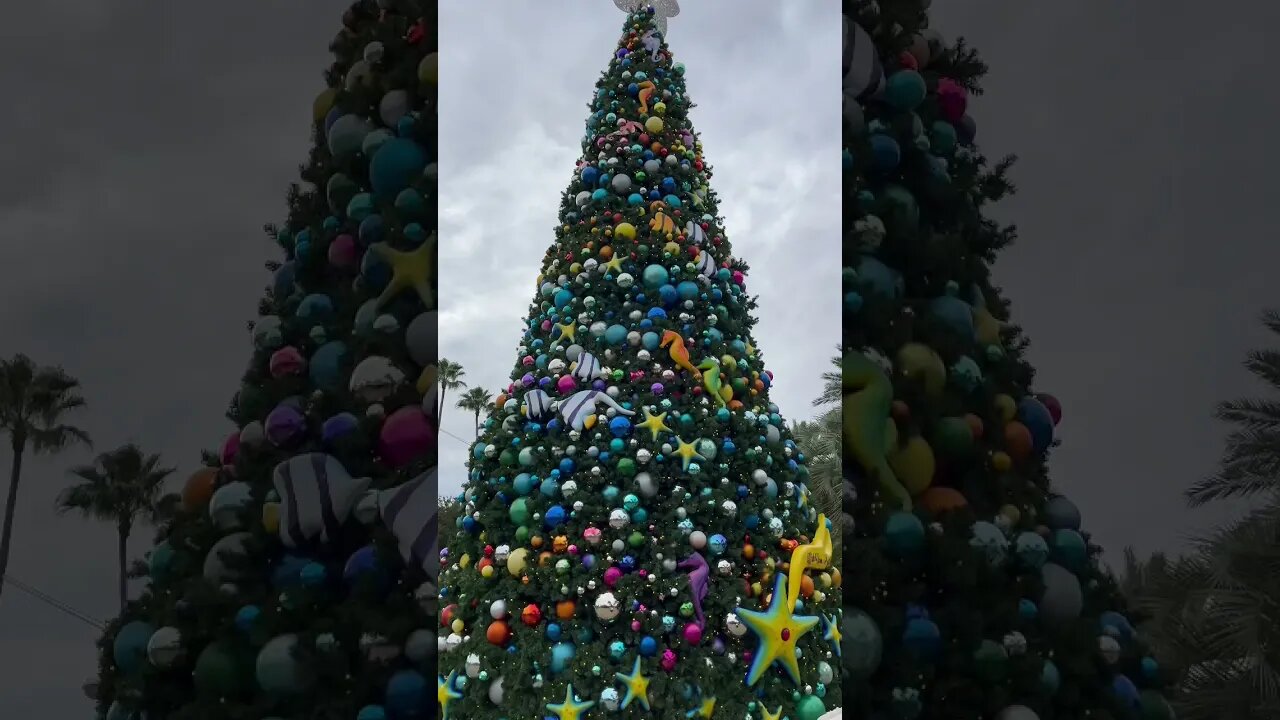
(952, 438)
(810, 707)
(1154, 706)
(519, 512)
(904, 535)
(990, 661)
(217, 674)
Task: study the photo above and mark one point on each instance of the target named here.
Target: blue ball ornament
(885, 152)
(312, 574)
(129, 650)
(371, 712)
(555, 517)
(327, 366)
(407, 695)
(648, 646)
(620, 426)
(1033, 414)
(904, 534)
(922, 637)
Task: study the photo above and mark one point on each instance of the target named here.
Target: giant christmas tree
(972, 591)
(636, 540)
(296, 580)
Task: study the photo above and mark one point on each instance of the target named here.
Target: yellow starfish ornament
(687, 452)
(445, 694)
(570, 709)
(410, 269)
(704, 710)
(833, 633)
(568, 330)
(637, 686)
(766, 715)
(778, 630)
(614, 264)
(653, 423)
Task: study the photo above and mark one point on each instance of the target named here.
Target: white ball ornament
(498, 609)
(698, 539)
(418, 645)
(609, 699)
(607, 607)
(1109, 648)
(164, 648)
(473, 665)
(734, 625)
(496, 693)
(619, 519)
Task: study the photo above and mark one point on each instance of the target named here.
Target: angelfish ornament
(577, 407)
(317, 494)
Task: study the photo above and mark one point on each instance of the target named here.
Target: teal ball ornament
(943, 138)
(1031, 549)
(905, 90)
(346, 136)
(407, 695)
(1068, 549)
(955, 313)
(160, 561)
(395, 165)
(1061, 514)
(655, 276)
(129, 650)
(861, 644)
(810, 707)
(327, 368)
(278, 671)
(904, 535)
(878, 277)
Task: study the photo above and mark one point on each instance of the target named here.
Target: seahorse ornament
(679, 353)
(711, 381)
(869, 431)
(646, 91)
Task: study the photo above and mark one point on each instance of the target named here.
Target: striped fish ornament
(863, 74)
(579, 405)
(707, 264)
(694, 232)
(317, 495)
(587, 368)
(410, 512)
(537, 404)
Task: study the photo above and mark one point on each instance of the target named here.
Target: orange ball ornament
(498, 633)
(1017, 441)
(565, 609)
(199, 489)
(975, 425)
(531, 615)
(806, 587)
(749, 551)
(937, 500)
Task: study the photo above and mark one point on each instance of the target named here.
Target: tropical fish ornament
(711, 381)
(579, 406)
(410, 511)
(317, 494)
(679, 353)
(869, 431)
(694, 232)
(652, 43)
(537, 404)
(587, 367)
(706, 264)
(662, 223)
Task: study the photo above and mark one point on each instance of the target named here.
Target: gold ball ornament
(914, 465)
(626, 231)
(429, 69)
(458, 626)
(654, 125)
(323, 104)
(464, 561)
(1006, 406)
(271, 517)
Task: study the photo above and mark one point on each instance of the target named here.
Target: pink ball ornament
(693, 634)
(952, 99)
(739, 278)
(592, 535)
(343, 252)
(1052, 405)
(573, 549)
(635, 626)
(230, 448)
(405, 436)
(668, 660)
(566, 384)
(286, 361)
(527, 361)
(546, 325)
(612, 576)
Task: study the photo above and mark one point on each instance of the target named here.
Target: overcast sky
(770, 129)
(144, 150)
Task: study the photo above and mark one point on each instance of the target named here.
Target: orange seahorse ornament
(679, 353)
(646, 91)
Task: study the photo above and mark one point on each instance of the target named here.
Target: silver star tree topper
(662, 9)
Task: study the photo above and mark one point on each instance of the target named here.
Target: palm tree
(477, 400)
(123, 486)
(832, 393)
(1251, 461)
(450, 378)
(33, 403)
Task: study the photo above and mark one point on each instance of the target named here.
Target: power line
(47, 599)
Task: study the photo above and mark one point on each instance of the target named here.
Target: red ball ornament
(531, 615)
(446, 615)
(1052, 405)
(488, 551)
(907, 60)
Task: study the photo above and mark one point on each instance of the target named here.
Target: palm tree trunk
(10, 505)
(440, 412)
(121, 553)
(477, 423)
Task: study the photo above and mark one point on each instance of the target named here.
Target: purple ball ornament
(693, 634)
(657, 388)
(527, 380)
(566, 384)
(338, 426)
(406, 436)
(285, 425)
(231, 449)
